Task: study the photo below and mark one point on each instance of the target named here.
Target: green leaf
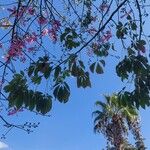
(22, 73)
(47, 72)
(133, 26)
(57, 72)
(74, 69)
(102, 62)
(81, 64)
(19, 101)
(62, 92)
(83, 80)
(36, 79)
(7, 88)
(92, 67)
(99, 69)
(129, 17)
(44, 105)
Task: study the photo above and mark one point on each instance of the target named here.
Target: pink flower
(14, 12)
(45, 32)
(6, 58)
(31, 10)
(103, 7)
(15, 49)
(31, 38)
(14, 111)
(92, 31)
(42, 20)
(106, 37)
(22, 10)
(53, 35)
(56, 24)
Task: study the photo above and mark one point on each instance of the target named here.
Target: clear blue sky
(70, 126)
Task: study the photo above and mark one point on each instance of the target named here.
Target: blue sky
(70, 126)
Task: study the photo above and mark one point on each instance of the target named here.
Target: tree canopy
(44, 43)
(115, 122)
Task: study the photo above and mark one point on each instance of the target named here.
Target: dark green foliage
(96, 67)
(77, 70)
(115, 120)
(140, 68)
(69, 37)
(121, 31)
(39, 69)
(19, 96)
(101, 50)
(94, 28)
(62, 92)
(83, 80)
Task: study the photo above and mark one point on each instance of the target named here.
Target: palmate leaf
(96, 67)
(62, 92)
(57, 72)
(92, 67)
(36, 79)
(31, 70)
(44, 104)
(69, 37)
(47, 72)
(83, 80)
(19, 96)
(99, 69)
(31, 100)
(40, 69)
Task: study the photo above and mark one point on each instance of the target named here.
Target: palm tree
(114, 121)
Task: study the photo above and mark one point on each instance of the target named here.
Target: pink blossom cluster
(42, 20)
(31, 38)
(31, 10)
(56, 25)
(15, 50)
(17, 45)
(45, 32)
(92, 31)
(22, 10)
(103, 7)
(53, 31)
(13, 111)
(106, 36)
(53, 34)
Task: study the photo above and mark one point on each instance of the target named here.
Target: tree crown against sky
(84, 34)
(115, 122)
